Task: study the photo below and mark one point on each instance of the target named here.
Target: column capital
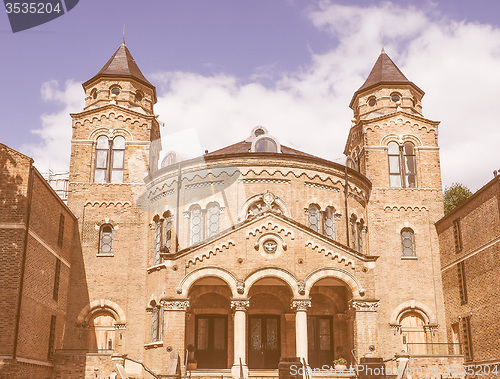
(175, 305)
(364, 305)
(240, 304)
(300, 304)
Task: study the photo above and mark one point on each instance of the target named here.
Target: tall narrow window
(167, 236)
(196, 225)
(360, 227)
(457, 234)
(110, 157)
(60, 235)
(155, 324)
(467, 339)
(101, 161)
(402, 165)
(157, 246)
(52, 337)
(313, 213)
(408, 242)
(354, 233)
(57, 277)
(213, 219)
(329, 222)
(409, 166)
(117, 160)
(462, 285)
(106, 240)
(394, 165)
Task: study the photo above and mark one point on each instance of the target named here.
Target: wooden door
(264, 342)
(320, 346)
(211, 341)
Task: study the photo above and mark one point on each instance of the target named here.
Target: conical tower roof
(121, 65)
(384, 71)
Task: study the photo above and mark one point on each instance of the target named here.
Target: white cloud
(456, 63)
(54, 149)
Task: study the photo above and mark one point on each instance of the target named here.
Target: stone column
(175, 326)
(240, 307)
(365, 327)
(300, 306)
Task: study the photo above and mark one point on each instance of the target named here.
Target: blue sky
(222, 67)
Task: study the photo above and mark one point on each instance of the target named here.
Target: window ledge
(104, 255)
(156, 267)
(409, 258)
(152, 345)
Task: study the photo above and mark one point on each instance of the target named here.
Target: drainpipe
(346, 191)
(23, 261)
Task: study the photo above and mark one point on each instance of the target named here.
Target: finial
(382, 39)
(123, 43)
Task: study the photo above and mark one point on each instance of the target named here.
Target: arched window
(402, 165)
(266, 145)
(360, 227)
(109, 160)
(354, 233)
(195, 225)
(394, 165)
(329, 222)
(156, 323)
(408, 242)
(313, 213)
(169, 159)
(118, 157)
(101, 161)
(213, 219)
(167, 232)
(413, 333)
(101, 336)
(157, 244)
(106, 240)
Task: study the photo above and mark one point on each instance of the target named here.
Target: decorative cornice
(364, 306)
(204, 184)
(269, 226)
(300, 304)
(322, 186)
(331, 253)
(175, 305)
(121, 326)
(240, 304)
(208, 254)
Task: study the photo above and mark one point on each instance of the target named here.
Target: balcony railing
(433, 348)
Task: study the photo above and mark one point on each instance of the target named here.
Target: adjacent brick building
(38, 241)
(469, 239)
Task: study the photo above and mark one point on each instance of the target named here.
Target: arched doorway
(271, 323)
(329, 323)
(413, 336)
(209, 329)
(101, 337)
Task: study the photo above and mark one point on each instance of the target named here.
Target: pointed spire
(384, 71)
(123, 43)
(121, 65)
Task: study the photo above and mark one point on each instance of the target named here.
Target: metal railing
(433, 348)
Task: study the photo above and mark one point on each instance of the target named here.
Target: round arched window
(395, 97)
(115, 91)
(372, 101)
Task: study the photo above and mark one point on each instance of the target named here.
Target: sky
(222, 67)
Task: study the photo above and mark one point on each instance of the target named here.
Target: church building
(255, 251)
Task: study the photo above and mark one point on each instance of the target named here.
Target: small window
(360, 227)
(213, 219)
(329, 222)
(462, 285)
(457, 234)
(408, 242)
(354, 233)
(60, 236)
(115, 91)
(52, 338)
(372, 101)
(196, 225)
(93, 93)
(57, 277)
(106, 240)
(395, 97)
(266, 145)
(157, 244)
(139, 96)
(467, 339)
(313, 213)
(167, 232)
(259, 132)
(156, 324)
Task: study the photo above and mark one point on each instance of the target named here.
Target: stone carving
(268, 198)
(120, 326)
(240, 304)
(175, 305)
(364, 306)
(301, 304)
(270, 246)
(302, 287)
(240, 287)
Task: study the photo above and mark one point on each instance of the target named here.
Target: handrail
(142, 364)
(306, 371)
(242, 375)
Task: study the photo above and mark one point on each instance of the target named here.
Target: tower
(115, 143)
(396, 147)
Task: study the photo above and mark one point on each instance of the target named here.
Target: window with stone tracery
(156, 323)
(314, 218)
(408, 242)
(213, 219)
(106, 240)
(195, 225)
(329, 222)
